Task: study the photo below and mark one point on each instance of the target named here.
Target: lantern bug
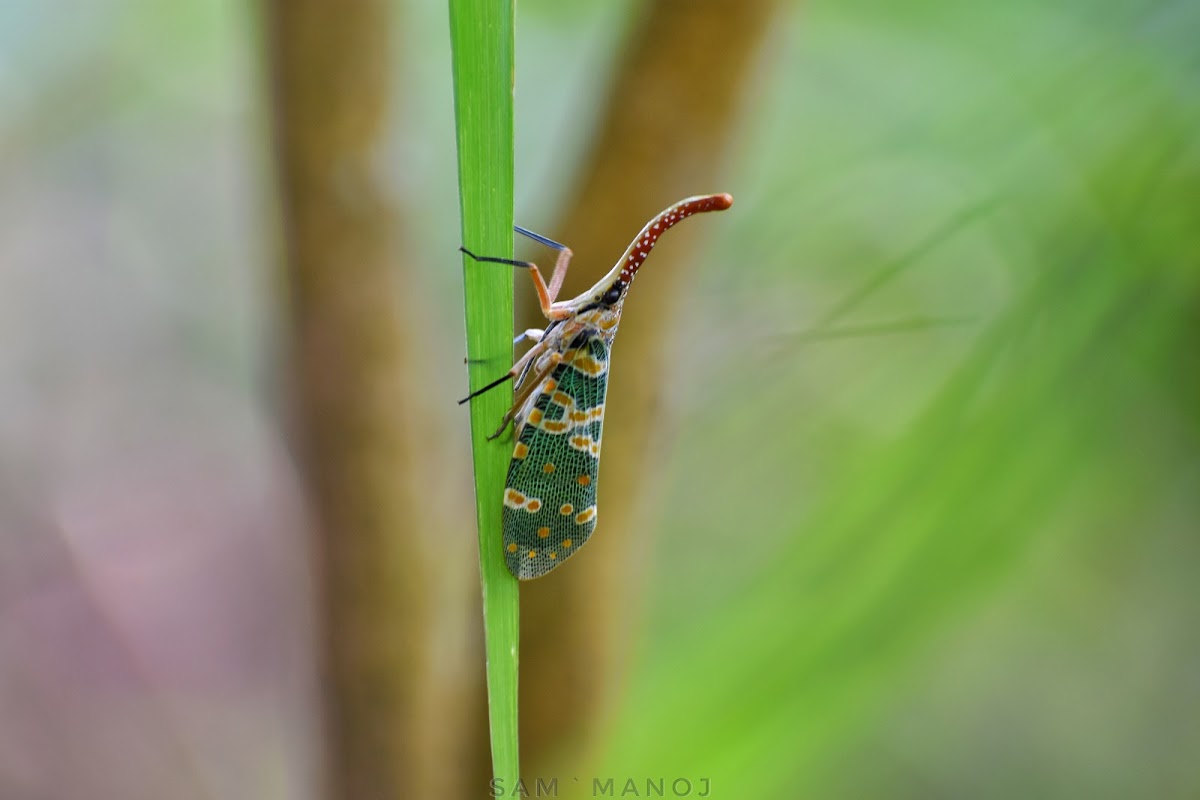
(558, 412)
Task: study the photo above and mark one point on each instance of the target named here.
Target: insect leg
(560, 273)
(532, 334)
(517, 369)
(537, 237)
(560, 264)
(529, 389)
(545, 300)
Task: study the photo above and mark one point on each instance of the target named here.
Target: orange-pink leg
(546, 293)
(545, 299)
(559, 275)
(560, 263)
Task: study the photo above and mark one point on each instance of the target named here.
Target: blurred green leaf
(849, 525)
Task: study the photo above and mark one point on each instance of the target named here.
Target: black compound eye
(613, 294)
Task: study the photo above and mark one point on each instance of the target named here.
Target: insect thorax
(570, 345)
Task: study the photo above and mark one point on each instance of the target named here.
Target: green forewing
(550, 499)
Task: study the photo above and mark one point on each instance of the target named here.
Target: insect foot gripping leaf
(558, 414)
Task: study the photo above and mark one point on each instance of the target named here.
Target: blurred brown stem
(394, 717)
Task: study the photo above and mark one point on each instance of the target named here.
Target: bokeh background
(901, 478)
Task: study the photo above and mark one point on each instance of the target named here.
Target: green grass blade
(481, 36)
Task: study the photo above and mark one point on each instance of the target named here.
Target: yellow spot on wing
(589, 365)
(553, 556)
(512, 547)
(566, 543)
(583, 480)
(566, 509)
(562, 399)
(535, 416)
(521, 450)
(533, 553)
(548, 468)
(587, 415)
(585, 515)
(542, 533)
(513, 498)
(533, 505)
